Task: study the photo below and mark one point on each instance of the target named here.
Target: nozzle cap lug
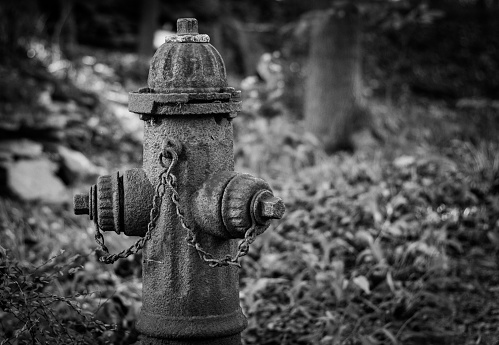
(81, 204)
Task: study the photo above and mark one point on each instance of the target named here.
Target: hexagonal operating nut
(81, 204)
(187, 26)
(266, 207)
(271, 207)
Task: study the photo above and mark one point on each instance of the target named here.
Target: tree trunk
(64, 36)
(148, 24)
(333, 98)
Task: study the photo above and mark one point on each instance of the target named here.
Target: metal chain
(153, 218)
(191, 238)
(168, 179)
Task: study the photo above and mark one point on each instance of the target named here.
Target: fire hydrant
(187, 204)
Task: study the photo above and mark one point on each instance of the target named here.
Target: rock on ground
(76, 167)
(31, 180)
(21, 148)
(130, 122)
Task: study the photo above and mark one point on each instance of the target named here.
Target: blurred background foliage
(453, 57)
(392, 240)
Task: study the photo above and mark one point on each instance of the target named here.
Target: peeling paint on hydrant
(187, 203)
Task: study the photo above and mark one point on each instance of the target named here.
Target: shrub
(30, 313)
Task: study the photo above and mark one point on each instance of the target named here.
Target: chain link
(168, 179)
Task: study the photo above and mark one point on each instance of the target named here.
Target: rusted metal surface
(81, 204)
(149, 104)
(108, 203)
(188, 164)
(193, 66)
(223, 206)
(237, 200)
(182, 297)
(187, 26)
(267, 207)
(137, 202)
(118, 202)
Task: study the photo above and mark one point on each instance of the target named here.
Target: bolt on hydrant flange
(187, 204)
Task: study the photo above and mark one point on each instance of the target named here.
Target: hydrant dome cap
(187, 63)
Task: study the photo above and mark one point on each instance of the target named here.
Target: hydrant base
(197, 327)
(231, 340)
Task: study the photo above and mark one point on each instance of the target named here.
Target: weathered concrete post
(187, 203)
